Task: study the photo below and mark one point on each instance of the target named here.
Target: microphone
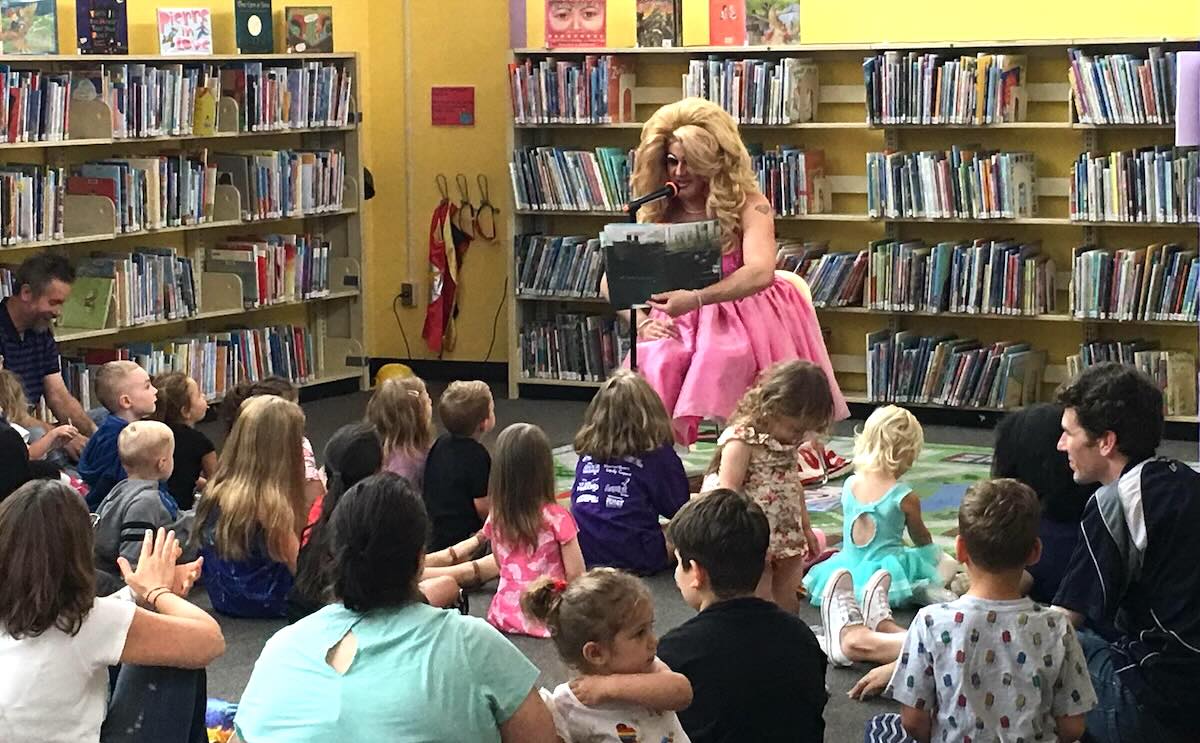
(668, 191)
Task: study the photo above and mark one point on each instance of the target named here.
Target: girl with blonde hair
(248, 523)
(700, 350)
(402, 413)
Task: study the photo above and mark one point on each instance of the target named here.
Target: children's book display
(772, 22)
(28, 27)
(644, 259)
(726, 22)
(185, 31)
(657, 23)
(309, 29)
(252, 26)
(102, 26)
(576, 23)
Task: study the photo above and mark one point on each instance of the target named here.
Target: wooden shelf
(562, 299)
(861, 398)
(637, 125)
(829, 217)
(979, 127)
(558, 382)
(801, 49)
(109, 141)
(23, 61)
(1176, 225)
(1055, 317)
(1182, 419)
(567, 213)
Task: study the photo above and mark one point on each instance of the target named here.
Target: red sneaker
(819, 465)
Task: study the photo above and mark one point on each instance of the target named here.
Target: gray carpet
(844, 718)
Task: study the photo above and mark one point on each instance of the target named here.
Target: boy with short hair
(457, 468)
(757, 672)
(124, 388)
(993, 663)
(138, 502)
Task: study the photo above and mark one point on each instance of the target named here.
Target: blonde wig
(714, 151)
(626, 418)
(401, 413)
(889, 442)
(259, 483)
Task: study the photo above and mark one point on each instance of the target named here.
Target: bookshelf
(324, 121)
(1051, 130)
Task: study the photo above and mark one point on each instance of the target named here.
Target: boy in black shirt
(457, 468)
(757, 672)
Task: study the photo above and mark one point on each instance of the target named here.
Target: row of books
(834, 279)
(276, 97)
(1123, 88)
(31, 203)
(598, 90)
(923, 88)
(757, 91)
(983, 276)
(285, 183)
(571, 347)
(35, 106)
(956, 372)
(951, 184)
(1173, 370)
(148, 193)
(1151, 184)
(1157, 282)
(572, 179)
(217, 361)
(793, 180)
(275, 268)
(127, 289)
(564, 266)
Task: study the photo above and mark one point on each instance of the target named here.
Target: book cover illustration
(28, 27)
(657, 23)
(727, 22)
(87, 307)
(576, 23)
(102, 26)
(185, 31)
(252, 22)
(772, 22)
(309, 29)
(645, 259)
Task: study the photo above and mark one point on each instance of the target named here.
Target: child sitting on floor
(627, 476)
(181, 406)
(45, 441)
(402, 413)
(532, 536)
(458, 466)
(603, 626)
(992, 663)
(125, 389)
(876, 509)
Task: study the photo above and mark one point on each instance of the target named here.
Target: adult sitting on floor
(1135, 565)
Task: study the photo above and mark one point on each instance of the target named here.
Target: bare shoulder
(756, 203)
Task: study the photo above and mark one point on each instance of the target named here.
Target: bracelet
(153, 594)
(642, 324)
(161, 592)
(453, 556)
(699, 298)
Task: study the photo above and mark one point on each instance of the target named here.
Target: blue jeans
(1118, 717)
(152, 704)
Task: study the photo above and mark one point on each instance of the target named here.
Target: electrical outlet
(408, 295)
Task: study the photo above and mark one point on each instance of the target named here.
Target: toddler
(125, 390)
(458, 466)
(876, 509)
(402, 413)
(757, 455)
(44, 441)
(603, 626)
(532, 536)
(992, 663)
(181, 406)
(627, 476)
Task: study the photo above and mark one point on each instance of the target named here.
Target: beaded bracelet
(699, 298)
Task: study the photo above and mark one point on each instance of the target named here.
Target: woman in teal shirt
(380, 664)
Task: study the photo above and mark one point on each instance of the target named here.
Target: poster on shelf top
(252, 26)
(102, 26)
(185, 31)
(727, 22)
(772, 22)
(28, 27)
(576, 23)
(309, 29)
(658, 23)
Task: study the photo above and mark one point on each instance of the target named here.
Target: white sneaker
(875, 606)
(838, 611)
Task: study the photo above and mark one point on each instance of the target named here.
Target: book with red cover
(576, 23)
(727, 22)
(81, 186)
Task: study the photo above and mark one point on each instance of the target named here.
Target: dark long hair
(1026, 450)
(46, 549)
(353, 453)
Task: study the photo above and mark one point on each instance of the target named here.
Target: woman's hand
(675, 303)
(156, 566)
(650, 329)
(186, 576)
(872, 683)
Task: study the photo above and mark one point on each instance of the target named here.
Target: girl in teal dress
(876, 509)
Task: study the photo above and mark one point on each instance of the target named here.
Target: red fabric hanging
(440, 333)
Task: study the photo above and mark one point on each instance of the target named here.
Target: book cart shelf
(334, 319)
(841, 129)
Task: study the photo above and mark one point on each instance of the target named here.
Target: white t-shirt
(54, 687)
(610, 723)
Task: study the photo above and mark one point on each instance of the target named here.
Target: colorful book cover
(309, 29)
(657, 23)
(102, 27)
(253, 29)
(185, 31)
(88, 305)
(727, 22)
(576, 23)
(772, 22)
(28, 27)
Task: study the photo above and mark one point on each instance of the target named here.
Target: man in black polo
(1136, 565)
(27, 347)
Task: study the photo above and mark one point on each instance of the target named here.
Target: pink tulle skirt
(723, 347)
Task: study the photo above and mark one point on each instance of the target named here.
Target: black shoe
(464, 603)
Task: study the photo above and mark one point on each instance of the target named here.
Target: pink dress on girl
(520, 566)
(723, 347)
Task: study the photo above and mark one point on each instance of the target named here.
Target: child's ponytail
(541, 601)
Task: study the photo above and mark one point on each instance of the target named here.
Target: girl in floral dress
(757, 455)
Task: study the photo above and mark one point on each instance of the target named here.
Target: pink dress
(723, 347)
(520, 566)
